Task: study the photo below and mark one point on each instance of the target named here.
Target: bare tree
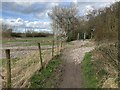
(65, 21)
(6, 31)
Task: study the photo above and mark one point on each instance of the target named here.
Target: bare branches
(64, 20)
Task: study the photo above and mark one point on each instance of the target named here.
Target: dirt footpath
(72, 57)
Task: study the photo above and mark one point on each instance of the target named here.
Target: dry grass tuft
(24, 68)
(105, 62)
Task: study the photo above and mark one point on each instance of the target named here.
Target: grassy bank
(88, 72)
(48, 77)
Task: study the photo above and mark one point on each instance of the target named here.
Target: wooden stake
(52, 48)
(57, 47)
(78, 36)
(61, 44)
(7, 51)
(39, 47)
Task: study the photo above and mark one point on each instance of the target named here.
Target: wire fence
(21, 63)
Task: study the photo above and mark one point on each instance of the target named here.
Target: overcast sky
(34, 13)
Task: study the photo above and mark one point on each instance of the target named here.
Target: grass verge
(88, 72)
(46, 78)
(0, 62)
(3, 62)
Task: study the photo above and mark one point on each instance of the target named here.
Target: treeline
(99, 24)
(9, 33)
(106, 23)
(66, 23)
(105, 55)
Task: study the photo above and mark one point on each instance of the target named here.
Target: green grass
(41, 78)
(88, 72)
(27, 39)
(4, 61)
(0, 62)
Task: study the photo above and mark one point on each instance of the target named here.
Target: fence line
(8, 59)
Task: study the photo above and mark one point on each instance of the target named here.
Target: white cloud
(53, 4)
(43, 15)
(25, 4)
(19, 20)
(75, 1)
(22, 23)
(98, 0)
(14, 22)
(33, 1)
(105, 5)
(89, 8)
(1, 20)
(38, 24)
(59, 0)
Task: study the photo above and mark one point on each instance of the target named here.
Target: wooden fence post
(61, 44)
(58, 47)
(52, 48)
(39, 47)
(84, 36)
(78, 36)
(7, 51)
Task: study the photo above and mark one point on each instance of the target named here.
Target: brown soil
(72, 56)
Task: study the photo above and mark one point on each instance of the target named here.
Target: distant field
(32, 41)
